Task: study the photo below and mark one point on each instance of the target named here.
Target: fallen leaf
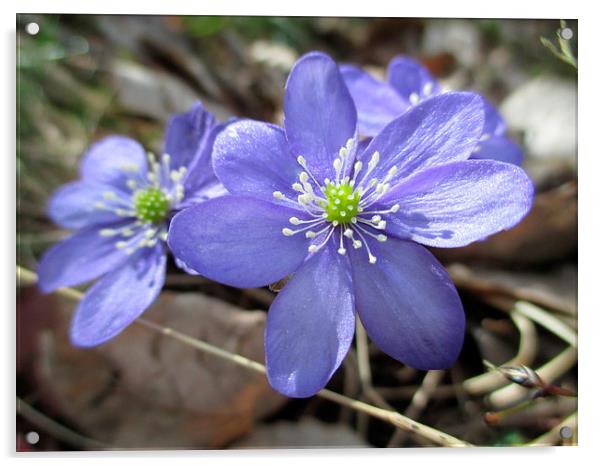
(146, 390)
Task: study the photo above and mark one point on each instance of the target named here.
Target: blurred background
(81, 77)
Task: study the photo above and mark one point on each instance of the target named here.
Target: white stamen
(427, 89)
(414, 98)
(107, 232)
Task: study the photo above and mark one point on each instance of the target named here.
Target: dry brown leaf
(307, 433)
(146, 390)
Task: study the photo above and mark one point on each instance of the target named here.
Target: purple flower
(121, 209)
(347, 223)
(409, 84)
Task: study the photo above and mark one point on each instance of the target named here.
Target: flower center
(151, 205)
(341, 204)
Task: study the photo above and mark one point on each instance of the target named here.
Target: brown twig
(527, 348)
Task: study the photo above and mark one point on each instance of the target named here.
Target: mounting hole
(32, 438)
(566, 432)
(32, 28)
(566, 33)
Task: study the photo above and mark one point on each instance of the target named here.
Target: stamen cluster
(341, 206)
(152, 196)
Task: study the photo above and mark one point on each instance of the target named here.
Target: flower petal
(252, 158)
(74, 205)
(409, 77)
(494, 124)
(455, 204)
(80, 258)
(408, 304)
(237, 240)
(113, 160)
(186, 134)
(200, 182)
(310, 325)
(118, 298)
(319, 114)
(439, 130)
(377, 102)
(499, 148)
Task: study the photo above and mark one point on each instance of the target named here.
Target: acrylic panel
(287, 232)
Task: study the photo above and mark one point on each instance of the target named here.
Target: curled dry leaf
(146, 390)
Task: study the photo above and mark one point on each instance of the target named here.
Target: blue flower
(350, 224)
(409, 84)
(121, 208)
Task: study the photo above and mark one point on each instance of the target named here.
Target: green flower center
(151, 205)
(341, 204)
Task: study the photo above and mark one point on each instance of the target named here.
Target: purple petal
(409, 77)
(442, 129)
(499, 148)
(80, 258)
(408, 304)
(237, 240)
(252, 158)
(187, 133)
(206, 192)
(74, 205)
(200, 181)
(377, 102)
(113, 160)
(310, 325)
(455, 204)
(189, 141)
(118, 298)
(184, 267)
(319, 114)
(494, 123)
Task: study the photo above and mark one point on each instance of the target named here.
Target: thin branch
(549, 372)
(25, 276)
(527, 348)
